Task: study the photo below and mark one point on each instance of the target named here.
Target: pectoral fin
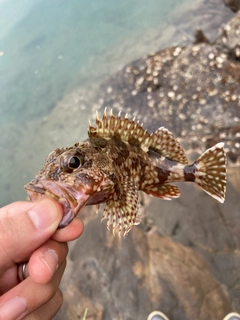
(122, 207)
(164, 191)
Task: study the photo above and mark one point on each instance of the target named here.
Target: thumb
(24, 226)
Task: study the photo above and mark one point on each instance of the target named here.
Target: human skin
(28, 232)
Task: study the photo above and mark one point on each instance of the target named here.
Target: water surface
(47, 44)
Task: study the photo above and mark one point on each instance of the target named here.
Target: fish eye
(69, 161)
(74, 162)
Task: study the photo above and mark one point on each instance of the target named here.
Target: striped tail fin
(211, 172)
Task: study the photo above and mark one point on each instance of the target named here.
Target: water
(46, 46)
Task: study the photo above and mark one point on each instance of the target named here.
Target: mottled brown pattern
(119, 159)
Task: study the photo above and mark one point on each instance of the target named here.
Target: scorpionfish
(118, 159)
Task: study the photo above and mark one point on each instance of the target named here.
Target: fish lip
(36, 189)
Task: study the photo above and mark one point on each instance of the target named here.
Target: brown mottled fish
(117, 160)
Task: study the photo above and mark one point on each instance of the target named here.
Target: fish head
(75, 177)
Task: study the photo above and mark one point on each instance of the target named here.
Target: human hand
(28, 232)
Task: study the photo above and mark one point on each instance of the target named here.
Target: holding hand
(32, 249)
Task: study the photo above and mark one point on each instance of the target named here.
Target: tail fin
(211, 172)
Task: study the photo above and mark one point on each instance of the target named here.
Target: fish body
(118, 159)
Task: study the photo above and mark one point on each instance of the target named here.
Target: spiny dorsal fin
(161, 141)
(125, 128)
(164, 142)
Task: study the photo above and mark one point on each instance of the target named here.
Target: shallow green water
(46, 46)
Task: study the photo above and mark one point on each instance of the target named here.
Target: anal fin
(164, 191)
(122, 207)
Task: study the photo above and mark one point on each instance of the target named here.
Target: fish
(119, 159)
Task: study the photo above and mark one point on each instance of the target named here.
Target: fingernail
(44, 214)
(13, 308)
(50, 259)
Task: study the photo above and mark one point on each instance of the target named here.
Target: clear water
(48, 47)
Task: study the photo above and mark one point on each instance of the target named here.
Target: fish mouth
(72, 202)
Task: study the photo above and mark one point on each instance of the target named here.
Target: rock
(234, 5)
(228, 42)
(194, 91)
(147, 271)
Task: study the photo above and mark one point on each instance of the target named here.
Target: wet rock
(194, 91)
(147, 271)
(200, 37)
(234, 5)
(228, 42)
